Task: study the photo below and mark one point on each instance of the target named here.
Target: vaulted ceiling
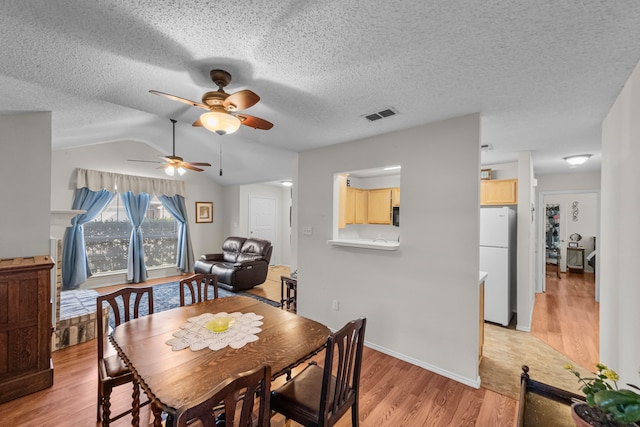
(543, 74)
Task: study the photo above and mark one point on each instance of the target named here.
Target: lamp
(221, 123)
(576, 160)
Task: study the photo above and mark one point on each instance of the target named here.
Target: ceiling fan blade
(145, 161)
(179, 99)
(193, 168)
(241, 100)
(197, 164)
(254, 122)
(197, 123)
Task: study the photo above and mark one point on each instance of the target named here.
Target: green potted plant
(606, 405)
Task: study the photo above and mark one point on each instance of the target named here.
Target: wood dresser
(25, 326)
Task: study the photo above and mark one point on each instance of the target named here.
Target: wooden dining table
(172, 379)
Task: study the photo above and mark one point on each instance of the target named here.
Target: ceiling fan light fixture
(577, 159)
(220, 123)
(170, 170)
(181, 170)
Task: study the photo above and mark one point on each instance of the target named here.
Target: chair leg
(106, 407)
(354, 414)
(135, 408)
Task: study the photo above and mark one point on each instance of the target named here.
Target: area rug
(505, 350)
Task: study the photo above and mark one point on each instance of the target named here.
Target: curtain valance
(112, 182)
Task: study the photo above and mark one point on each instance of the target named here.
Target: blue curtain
(136, 207)
(177, 208)
(75, 265)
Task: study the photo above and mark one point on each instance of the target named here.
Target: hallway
(566, 317)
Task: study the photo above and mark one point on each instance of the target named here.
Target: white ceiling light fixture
(390, 168)
(219, 122)
(576, 160)
(286, 183)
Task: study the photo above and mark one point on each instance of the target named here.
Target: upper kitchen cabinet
(379, 206)
(499, 192)
(356, 206)
(395, 196)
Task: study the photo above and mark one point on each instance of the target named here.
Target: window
(160, 232)
(107, 237)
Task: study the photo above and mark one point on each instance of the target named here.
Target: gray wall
(421, 301)
(25, 174)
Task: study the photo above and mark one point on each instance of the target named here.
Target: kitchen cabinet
(379, 206)
(395, 196)
(356, 206)
(499, 192)
(25, 326)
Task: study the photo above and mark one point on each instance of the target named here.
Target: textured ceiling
(543, 74)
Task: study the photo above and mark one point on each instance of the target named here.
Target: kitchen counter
(379, 244)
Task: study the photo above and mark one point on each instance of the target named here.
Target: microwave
(396, 216)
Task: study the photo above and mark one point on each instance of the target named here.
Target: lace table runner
(195, 335)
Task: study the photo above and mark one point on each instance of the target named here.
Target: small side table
(291, 286)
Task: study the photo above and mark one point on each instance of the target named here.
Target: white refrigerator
(498, 258)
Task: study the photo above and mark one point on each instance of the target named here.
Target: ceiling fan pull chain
(220, 158)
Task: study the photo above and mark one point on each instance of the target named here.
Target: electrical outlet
(335, 305)
(307, 230)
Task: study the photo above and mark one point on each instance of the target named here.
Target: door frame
(540, 283)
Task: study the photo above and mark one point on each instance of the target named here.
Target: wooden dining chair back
(232, 401)
(197, 287)
(321, 396)
(124, 305)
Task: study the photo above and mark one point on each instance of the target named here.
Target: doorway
(262, 219)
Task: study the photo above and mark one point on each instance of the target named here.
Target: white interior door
(262, 219)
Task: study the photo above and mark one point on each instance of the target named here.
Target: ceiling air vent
(486, 147)
(388, 112)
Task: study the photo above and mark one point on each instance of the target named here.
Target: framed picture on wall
(204, 212)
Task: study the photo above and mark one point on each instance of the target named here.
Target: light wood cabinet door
(342, 201)
(356, 206)
(379, 206)
(499, 192)
(361, 199)
(350, 206)
(395, 196)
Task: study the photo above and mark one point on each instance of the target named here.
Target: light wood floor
(393, 392)
(567, 317)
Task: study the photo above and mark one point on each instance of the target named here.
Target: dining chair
(112, 372)
(198, 287)
(321, 396)
(236, 393)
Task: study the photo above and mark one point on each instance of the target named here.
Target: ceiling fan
(222, 116)
(175, 163)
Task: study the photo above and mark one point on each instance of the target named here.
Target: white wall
(421, 301)
(25, 141)
(573, 181)
(114, 157)
(525, 294)
(619, 250)
(503, 170)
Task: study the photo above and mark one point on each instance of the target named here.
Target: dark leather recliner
(243, 263)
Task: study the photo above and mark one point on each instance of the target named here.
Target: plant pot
(585, 416)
